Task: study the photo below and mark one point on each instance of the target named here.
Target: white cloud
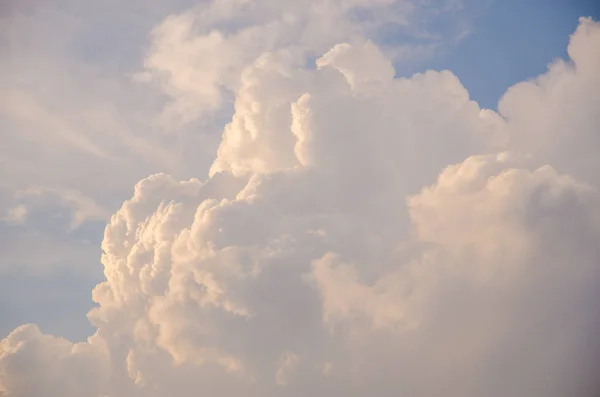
(58, 366)
(197, 56)
(555, 115)
(358, 234)
(396, 108)
(69, 101)
(74, 123)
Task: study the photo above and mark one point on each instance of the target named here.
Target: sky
(494, 58)
(284, 198)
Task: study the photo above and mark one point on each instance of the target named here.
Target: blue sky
(512, 41)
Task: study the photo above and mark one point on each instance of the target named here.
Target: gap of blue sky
(512, 41)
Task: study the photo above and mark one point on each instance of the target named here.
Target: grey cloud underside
(358, 234)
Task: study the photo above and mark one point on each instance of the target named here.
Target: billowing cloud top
(358, 235)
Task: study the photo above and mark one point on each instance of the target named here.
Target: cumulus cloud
(358, 234)
(58, 366)
(555, 114)
(196, 56)
(69, 99)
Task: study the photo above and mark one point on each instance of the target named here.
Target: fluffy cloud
(358, 234)
(555, 114)
(68, 98)
(196, 56)
(33, 364)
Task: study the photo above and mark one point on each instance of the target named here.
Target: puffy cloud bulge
(358, 234)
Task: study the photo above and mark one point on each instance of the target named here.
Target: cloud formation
(197, 56)
(69, 99)
(358, 234)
